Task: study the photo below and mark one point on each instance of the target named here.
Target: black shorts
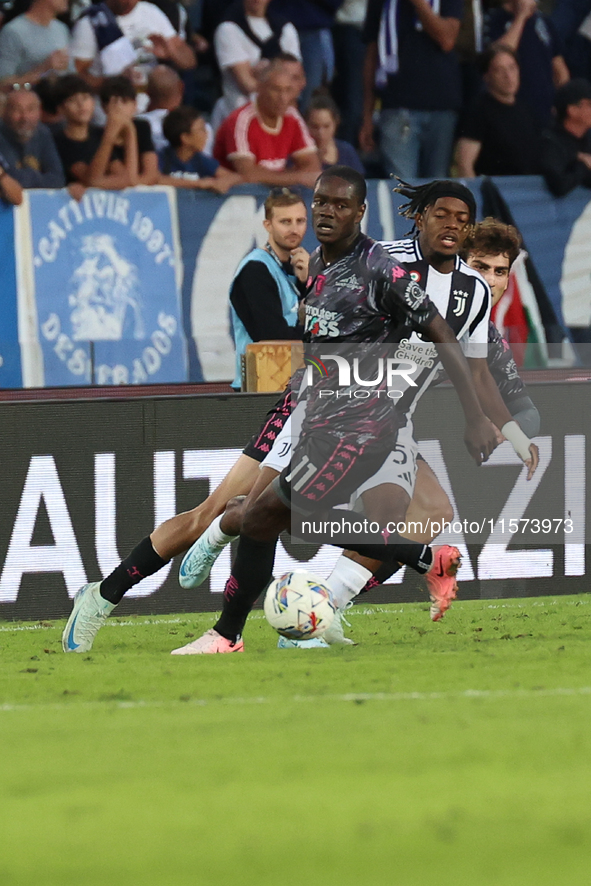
(261, 443)
(325, 470)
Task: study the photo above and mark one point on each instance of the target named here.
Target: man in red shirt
(257, 139)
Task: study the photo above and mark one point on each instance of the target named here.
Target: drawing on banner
(105, 288)
(106, 291)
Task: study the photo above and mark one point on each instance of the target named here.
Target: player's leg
(428, 505)
(197, 563)
(94, 602)
(199, 559)
(264, 520)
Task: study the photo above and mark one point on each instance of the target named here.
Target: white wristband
(518, 439)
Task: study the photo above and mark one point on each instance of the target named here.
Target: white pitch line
(356, 697)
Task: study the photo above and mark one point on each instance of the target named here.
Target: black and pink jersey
(503, 367)
(357, 309)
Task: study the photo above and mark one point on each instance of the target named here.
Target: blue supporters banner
(100, 286)
(10, 355)
(556, 233)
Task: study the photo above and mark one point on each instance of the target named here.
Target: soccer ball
(299, 606)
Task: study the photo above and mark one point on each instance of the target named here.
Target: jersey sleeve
(397, 292)
(475, 344)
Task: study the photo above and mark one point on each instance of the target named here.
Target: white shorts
(400, 468)
(280, 455)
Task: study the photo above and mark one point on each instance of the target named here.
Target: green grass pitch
(452, 753)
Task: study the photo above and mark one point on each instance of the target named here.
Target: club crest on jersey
(414, 295)
(460, 298)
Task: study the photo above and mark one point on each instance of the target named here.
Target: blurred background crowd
(210, 93)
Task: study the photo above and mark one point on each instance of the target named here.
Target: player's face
(494, 269)
(287, 226)
(444, 227)
(336, 211)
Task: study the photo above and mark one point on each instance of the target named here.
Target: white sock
(346, 580)
(215, 536)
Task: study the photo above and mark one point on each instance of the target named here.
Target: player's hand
(584, 158)
(300, 259)
(532, 463)
(480, 439)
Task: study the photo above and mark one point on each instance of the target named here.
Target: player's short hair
(493, 237)
(348, 174)
(420, 197)
(116, 87)
(323, 103)
(281, 197)
(178, 123)
(69, 85)
(489, 55)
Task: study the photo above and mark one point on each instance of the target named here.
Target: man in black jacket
(566, 147)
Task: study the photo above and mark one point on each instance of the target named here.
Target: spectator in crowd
(83, 146)
(410, 58)
(118, 95)
(313, 20)
(257, 140)
(498, 135)
(264, 295)
(349, 55)
(27, 149)
(183, 163)
(165, 91)
(245, 41)
(10, 190)
(566, 147)
(519, 25)
(571, 20)
(34, 44)
(292, 66)
(121, 36)
(323, 119)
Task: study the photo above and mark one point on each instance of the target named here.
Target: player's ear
(419, 221)
(267, 225)
(360, 213)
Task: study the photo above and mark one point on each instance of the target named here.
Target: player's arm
(479, 436)
(494, 406)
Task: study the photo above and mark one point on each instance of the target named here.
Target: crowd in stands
(217, 92)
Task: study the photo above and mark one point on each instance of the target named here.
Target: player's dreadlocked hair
(422, 196)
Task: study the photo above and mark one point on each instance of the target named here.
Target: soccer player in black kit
(357, 293)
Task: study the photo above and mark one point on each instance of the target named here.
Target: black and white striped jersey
(462, 298)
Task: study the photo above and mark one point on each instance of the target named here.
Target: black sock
(142, 561)
(399, 549)
(251, 573)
